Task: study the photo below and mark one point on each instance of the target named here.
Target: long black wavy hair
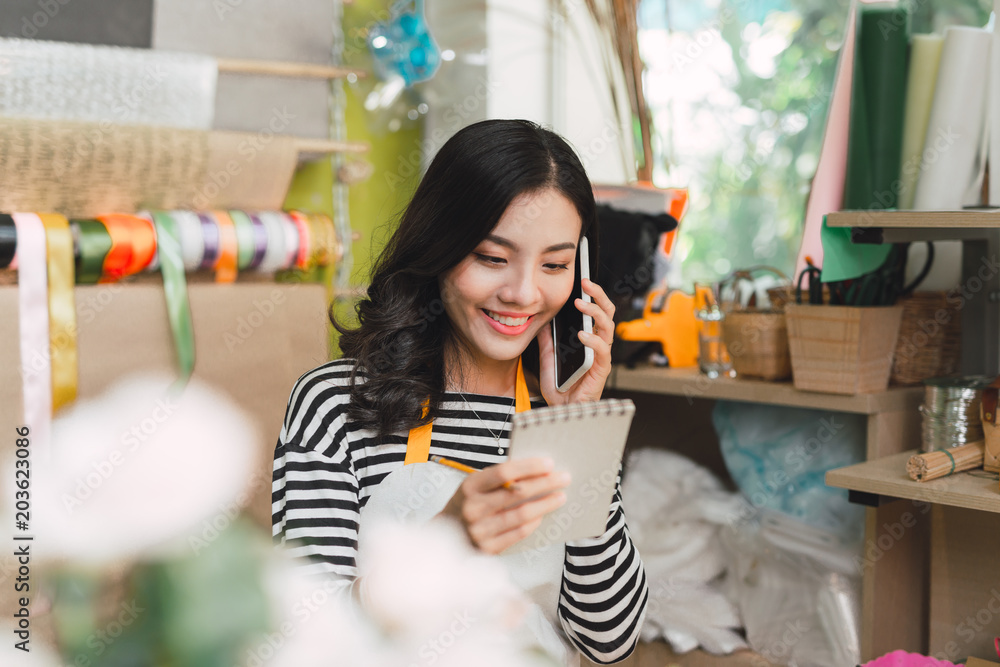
(400, 341)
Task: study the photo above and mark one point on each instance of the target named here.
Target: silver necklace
(495, 435)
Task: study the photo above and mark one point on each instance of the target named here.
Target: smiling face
(514, 282)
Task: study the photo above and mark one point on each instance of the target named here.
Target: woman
(454, 336)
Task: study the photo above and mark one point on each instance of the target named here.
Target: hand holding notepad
(587, 440)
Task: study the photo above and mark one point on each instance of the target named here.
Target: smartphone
(572, 358)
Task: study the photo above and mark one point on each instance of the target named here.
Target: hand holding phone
(571, 357)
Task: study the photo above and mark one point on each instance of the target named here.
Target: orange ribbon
(226, 267)
(305, 240)
(133, 245)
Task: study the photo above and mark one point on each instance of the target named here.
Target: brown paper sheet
(87, 169)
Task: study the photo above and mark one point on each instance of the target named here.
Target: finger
(546, 367)
(498, 543)
(530, 488)
(598, 295)
(601, 348)
(514, 524)
(509, 472)
(604, 326)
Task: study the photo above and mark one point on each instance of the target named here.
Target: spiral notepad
(587, 440)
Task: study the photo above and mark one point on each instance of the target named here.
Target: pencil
(464, 468)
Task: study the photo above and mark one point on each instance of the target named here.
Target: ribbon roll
(62, 309)
(192, 240)
(324, 239)
(210, 237)
(93, 243)
(8, 240)
(305, 243)
(154, 262)
(36, 369)
(244, 239)
(175, 291)
(259, 240)
(274, 252)
(226, 267)
(292, 241)
(133, 245)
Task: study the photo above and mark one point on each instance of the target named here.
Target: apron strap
(418, 443)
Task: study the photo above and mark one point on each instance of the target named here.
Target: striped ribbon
(36, 370)
(62, 309)
(175, 290)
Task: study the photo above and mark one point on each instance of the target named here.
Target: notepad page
(587, 440)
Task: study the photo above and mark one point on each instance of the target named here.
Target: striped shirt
(326, 468)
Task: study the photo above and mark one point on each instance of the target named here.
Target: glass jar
(713, 358)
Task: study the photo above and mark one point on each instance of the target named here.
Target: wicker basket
(757, 342)
(930, 338)
(842, 349)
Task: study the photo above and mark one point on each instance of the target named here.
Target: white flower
(138, 469)
(421, 579)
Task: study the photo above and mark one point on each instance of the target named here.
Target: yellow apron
(419, 491)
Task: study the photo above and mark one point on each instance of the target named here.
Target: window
(738, 93)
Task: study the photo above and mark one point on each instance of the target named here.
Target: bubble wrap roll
(56, 80)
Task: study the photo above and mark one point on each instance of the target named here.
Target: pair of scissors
(815, 287)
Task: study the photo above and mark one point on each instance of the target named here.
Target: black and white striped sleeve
(604, 591)
(314, 489)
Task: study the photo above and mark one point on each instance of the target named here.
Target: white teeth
(509, 321)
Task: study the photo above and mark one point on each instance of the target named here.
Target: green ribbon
(245, 241)
(168, 246)
(95, 242)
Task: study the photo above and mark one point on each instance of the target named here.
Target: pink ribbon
(36, 364)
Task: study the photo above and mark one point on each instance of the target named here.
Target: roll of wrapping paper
(86, 169)
(826, 192)
(875, 141)
(247, 171)
(925, 57)
(944, 462)
(951, 172)
(58, 80)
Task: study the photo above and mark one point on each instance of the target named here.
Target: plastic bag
(779, 456)
(796, 609)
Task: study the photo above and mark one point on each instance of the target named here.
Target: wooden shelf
(690, 383)
(887, 477)
(968, 219)
(906, 226)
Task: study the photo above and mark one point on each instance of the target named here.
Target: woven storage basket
(842, 349)
(930, 338)
(757, 342)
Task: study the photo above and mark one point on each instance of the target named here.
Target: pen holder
(842, 349)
